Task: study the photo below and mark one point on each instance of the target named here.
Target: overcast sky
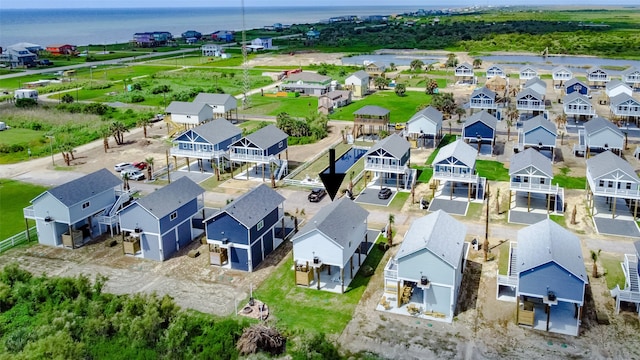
(251, 3)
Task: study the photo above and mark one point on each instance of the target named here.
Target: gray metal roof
(607, 162)
(308, 76)
(253, 206)
(214, 99)
(437, 232)
(615, 83)
(430, 113)
(597, 124)
(394, 144)
(372, 110)
(360, 74)
(529, 91)
(497, 67)
(338, 221)
(630, 71)
(465, 65)
(83, 188)
(539, 121)
(535, 81)
(622, 98)
(168, 199)
(528, 67)
(574, 96)
(594, 69)
(484, 90)
(338, 94)
(483, 117)
(530, 157)
(217, 131)
(267, 136)
(184, 107)
(561, 69)
(459, 150)
(546, 241)
(574, 81)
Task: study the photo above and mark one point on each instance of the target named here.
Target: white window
(173, 215)
(281, 144)
(86, 205)
(260, 225)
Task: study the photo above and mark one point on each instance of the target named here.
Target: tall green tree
(400, 89)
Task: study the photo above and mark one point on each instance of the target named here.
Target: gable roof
(527, 67)
(598, 124)
(337, 221)
(483, 117)
(216, 131)
(607, 162)
(437, 232)
(622, 98)
(561, 68)
(630, 71)
(308, 76)
(214, 99)
(535, 81)
(394, 145)
(547, 241)
(530, 157)
(496, 68)
(595, 69)
(569, 83)
(539, 121)
(372, 110)
(430, 113)
(184, 107)
(529, 91)
(459, 150)
(465, 65)
(83, 188)
(267, 136)
(484, 91)
(615, 83)
(575, 96)
(253, 206)
(167, 199)
(360, 74)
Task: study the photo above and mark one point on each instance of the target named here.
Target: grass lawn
(14, 196)
(492, 170)
(475, 211)
(398, 201)
(446, 140)
(401, 108)
(570, 182)
(612, 270)
(503, 258)
(424, 173)
(299, 308)
(559, 219)
(295, 106)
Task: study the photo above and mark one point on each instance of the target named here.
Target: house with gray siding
(389, 160)
(483, 99)
(464, 73)
(222, 105)
(578, 106)
(243, 233)
(306, 83)
(631, 291)
(561, 74)
(631, 77)
(455, 164)
(479, 129)
(531, 175)
(530, 101)
(625, 107)
(614, 181)
(551, 278)
(262, 148)
(425, 125)
(424, 277)
(331, 247)
(599, 134)
(527, 72)
(162, 221)
(496, 70)
(189, 113)
(597, 77)
(538, 133)
(537, 85)
(617, 87)
(79, 210)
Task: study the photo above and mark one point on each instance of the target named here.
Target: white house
(425, 124)
(222, 105)
(189, 113)
(358, 83)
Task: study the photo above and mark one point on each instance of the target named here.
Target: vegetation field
(401, 108)
(295, 106)
(612, 270)
(492, 170)
(14, 196)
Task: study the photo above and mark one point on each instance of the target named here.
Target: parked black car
(384, 193)
(317, 195)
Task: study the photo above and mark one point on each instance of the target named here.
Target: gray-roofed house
(631, 291)
(625, 107)
(597, 76)
(79, 210)
(577, 105)
(389, 160)
(536, 84)
(464, 73)
(333, 241)
(483, 99)
(480, 128)
(538, 133)
(332, 100)
(573, 85)
(263, 147)
(424, 277)
(358, 83)
(161, 223)
(456, 163)
(612, 178)
(306, 83)
(209, 141)
(222, 105)
(243, 233)
(599, 134)
(551, 278)
(561, 74)
(424, 125)
(529, 100)
(531, 173)
(189, 113)
(371, 118)
(617, 87)
(631, 77)
(496, 70)
(527, 72)
(375, 69)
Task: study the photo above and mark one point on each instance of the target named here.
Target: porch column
(360, 255)
(175, 162)
(73, 243)
(469, 192)
(635, 209)
(188, 165)
(509, 199)
(397, 181)
(615, 200)
(351, 266)
(342, 278)
(451, 187)
(517, 309)
(548, 311)
(529, 202)
(247, 171)
(318, 273)
(548, 202)
(262, 172)
(26, 223)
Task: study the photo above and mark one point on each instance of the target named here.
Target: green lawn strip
(503, 258)
(570, 182)
(14, 196)
(424, 173)
(295, 106)
(401, 108)
(398, 201)
(612, 270)
(474, 211)
(492, 170)
(446, 140)
(559, 219)
(299, 308)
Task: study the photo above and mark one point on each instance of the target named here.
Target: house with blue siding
(162, 221)
(531, 175)
(599, 134)
(551, 278)
(483, 99)
(331, 247)
(479, 129)
(243, 233)
(207, 142)
(389, 160)
(578, 106)
(424, 277)
(262, 148)
(538, 133)
(425, 125)
(575, 85)
(79, 210)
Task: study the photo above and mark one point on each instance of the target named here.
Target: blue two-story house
(243, 233)
(480, 129)
(263, 147)
(162, 220)
(574, 85)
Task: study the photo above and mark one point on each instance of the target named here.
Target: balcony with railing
(612, 188)
(482, 104)
(534, 105)
(625, 110)
(579, 110)
(391, 270)
(533, 187)
(197, 153)
(448, 175)
(598, 77)
(29, 212)
(631, 291)
(256, 158)
(384, 167)
(463, 72)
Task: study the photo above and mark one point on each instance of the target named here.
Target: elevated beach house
(331, 247)
(263, 148)
(425, 126)
(222, 105)
(189, 114)
(530, 101)
(599, 134)
(161, 223)
(328, 102)
(531, 173)
(358, 83)
(597, 77)
(370, 119)
(538, 133)
(483, 99)
(424, 277)
(375, 69)
(527, 72)
(389, 160)
(79, 210)
(560, 75)
(575, 85)
(455, 163)
(496, 70)
(631, 77)
(464, 73)
(306, 83)
(480, 129)
(578, 106)
(243, 233)
(536, 84)
(631, 291)
(617, 87)
(625, 107)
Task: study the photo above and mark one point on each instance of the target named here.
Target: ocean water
(106, 26)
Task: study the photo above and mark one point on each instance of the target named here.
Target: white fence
(18, 239)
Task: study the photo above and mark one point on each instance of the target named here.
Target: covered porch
(549, 314)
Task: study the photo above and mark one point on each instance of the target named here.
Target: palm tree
(595, 256)
(105, 132)
(432, 85)
(125, 181)
(460, 111)
(392, 219)
(118, 129)
(429, 67)
(477, 63)
(416, 64)
(144, 122)
(392, 66)
(149, 162)
(381, 82)
(509, 124)
(400, 89)
(561, 120)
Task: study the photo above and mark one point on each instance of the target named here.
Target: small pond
(346, 161)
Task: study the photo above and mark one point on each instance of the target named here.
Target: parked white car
(121, 166)
(133, 174)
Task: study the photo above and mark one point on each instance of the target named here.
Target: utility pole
(485, 246)
(246, 81)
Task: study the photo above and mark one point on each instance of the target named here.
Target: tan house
(358, 83)
(328, 102)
